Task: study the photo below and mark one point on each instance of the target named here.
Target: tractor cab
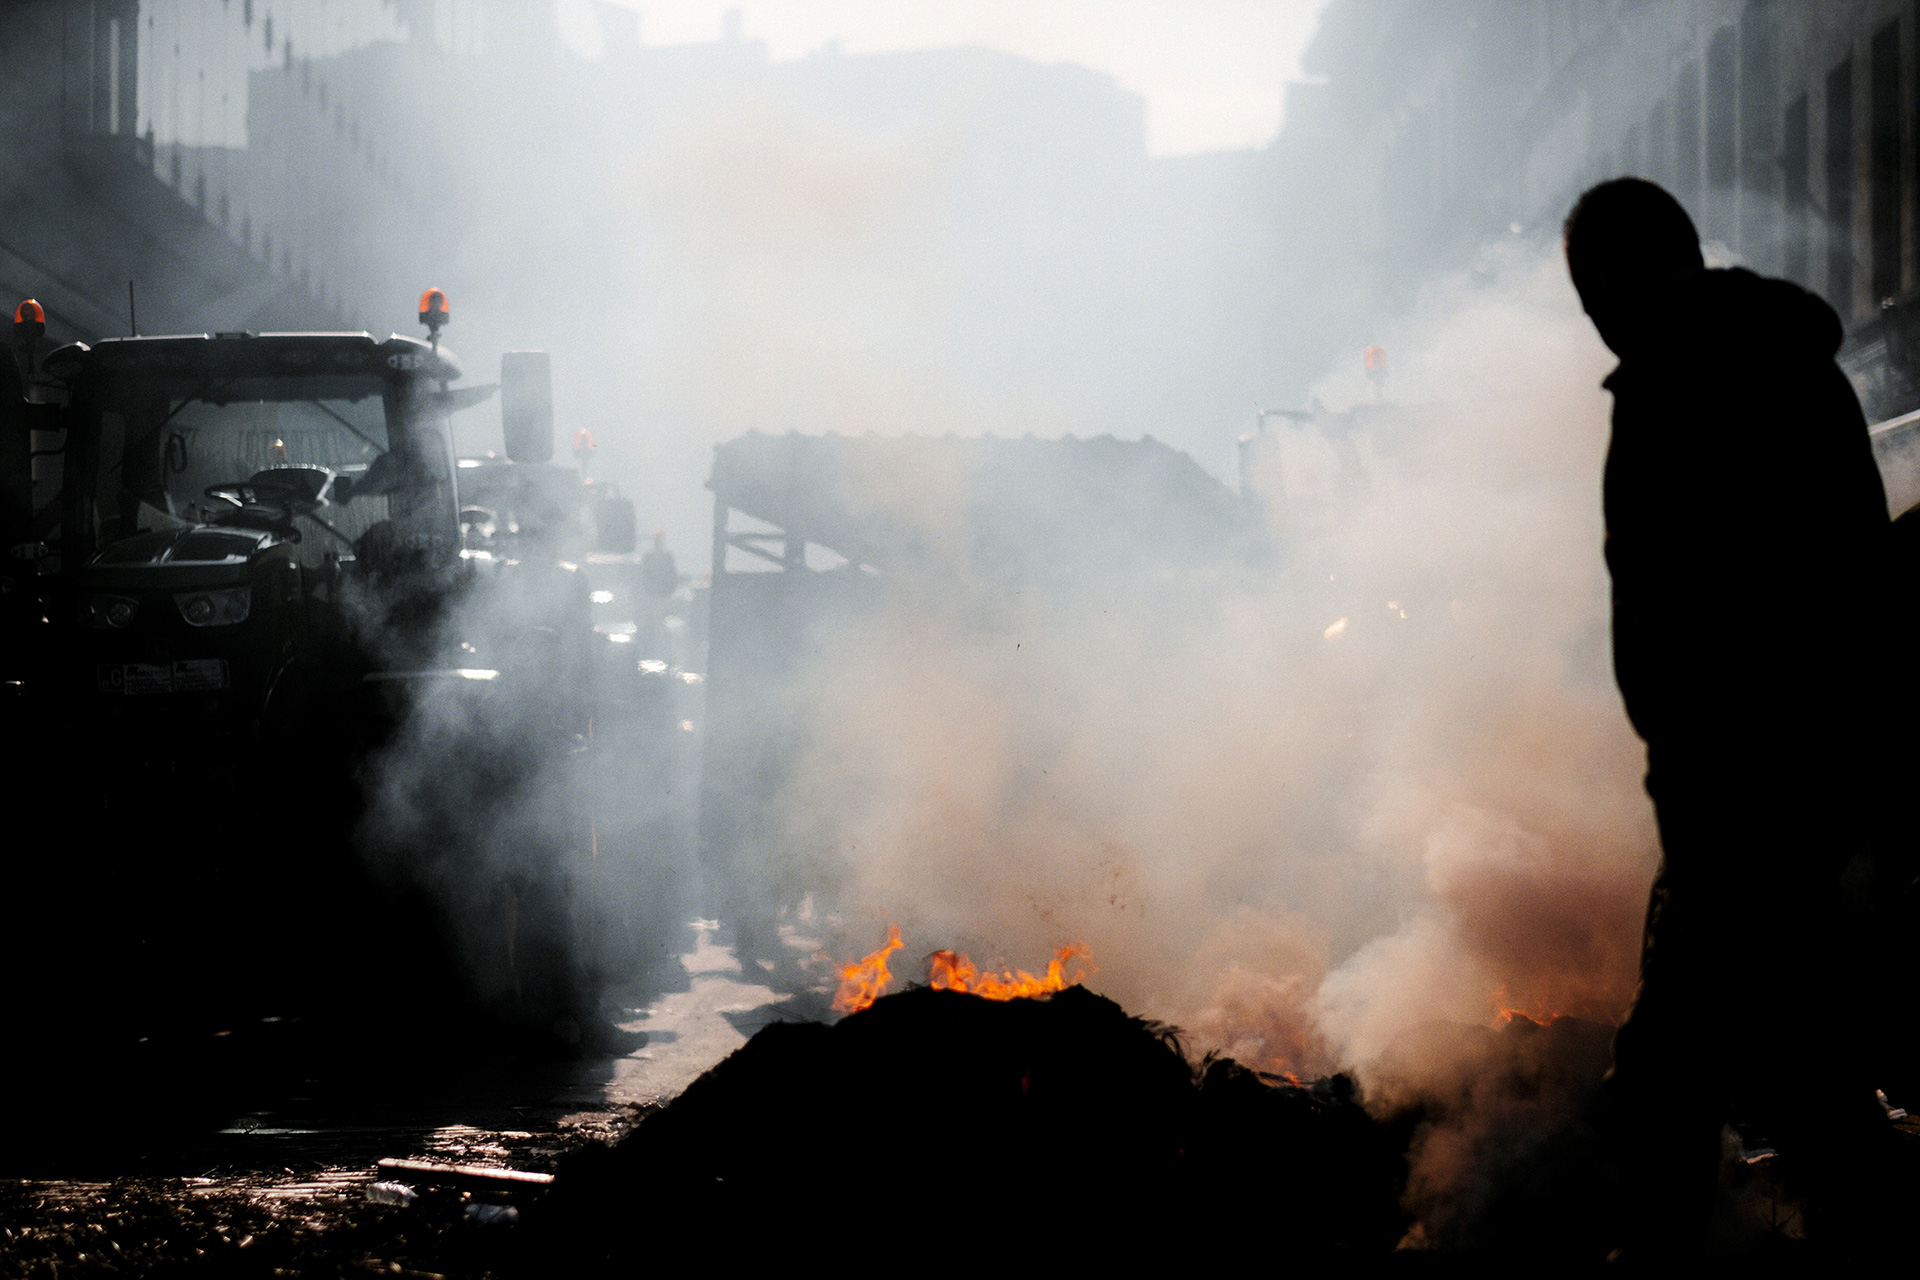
(212, 503)
(236, 598)
(221, 520)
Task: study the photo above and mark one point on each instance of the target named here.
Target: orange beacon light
(434, 311)
(29, 320)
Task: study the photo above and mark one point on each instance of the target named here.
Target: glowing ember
(953, 971)
(863, 981)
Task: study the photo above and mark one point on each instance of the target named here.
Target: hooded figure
(1746, 536)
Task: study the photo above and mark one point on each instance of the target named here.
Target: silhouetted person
(1746, 526)
(658, 575)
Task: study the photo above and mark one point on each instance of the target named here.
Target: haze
(1212, 72)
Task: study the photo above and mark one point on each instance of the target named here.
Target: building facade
(1790, 131)
(235, 164)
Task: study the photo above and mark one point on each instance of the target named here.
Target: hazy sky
(1212, 71)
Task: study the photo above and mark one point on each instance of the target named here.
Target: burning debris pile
(867, 979)
(939, 1121)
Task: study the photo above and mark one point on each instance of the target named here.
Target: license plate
(194, 675)
(199, 674)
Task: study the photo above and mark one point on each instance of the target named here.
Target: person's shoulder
(1729, 285)
(1764, 313)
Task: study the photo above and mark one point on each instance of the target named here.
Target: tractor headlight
(215, 608)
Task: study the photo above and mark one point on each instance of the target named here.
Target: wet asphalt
(284, 1119)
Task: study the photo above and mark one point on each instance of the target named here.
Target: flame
(866, 979)
(1504, 1013)
(954, 971)
(862, 982)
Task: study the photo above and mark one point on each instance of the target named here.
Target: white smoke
(1301, 812)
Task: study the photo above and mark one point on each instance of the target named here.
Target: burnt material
(941, 1123)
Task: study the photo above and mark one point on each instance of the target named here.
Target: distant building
(307, 132)
(1789, 130)
(707, 238)
(243, 163)
(85, 214)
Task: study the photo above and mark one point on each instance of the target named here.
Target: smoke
(710, 242)
(1506, 770)
(1302, 808)
(523, 781)
(1403, 740)
(1305, 810)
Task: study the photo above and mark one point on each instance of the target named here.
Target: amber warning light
(434, 311)
(29, 321)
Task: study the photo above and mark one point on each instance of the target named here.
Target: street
(265, 1156)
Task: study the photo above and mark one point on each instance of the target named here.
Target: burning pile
(866, 979)
(936, 1124)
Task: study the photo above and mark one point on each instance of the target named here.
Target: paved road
(686, 1032)
(292, 1163)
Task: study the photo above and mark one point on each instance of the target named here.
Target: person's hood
(1733, 311)
(1730, 314)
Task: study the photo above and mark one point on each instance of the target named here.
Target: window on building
(1659, 145)
(1883, 214)
(1839, 219)
(1686, 137)
(1717, 201)
(113, 76)
(1759, 179)
(1795, 193)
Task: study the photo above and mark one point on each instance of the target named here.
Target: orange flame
(863, 981)
(953, 971)
(1282, 1070)
(866, 979)
(1505, 1013)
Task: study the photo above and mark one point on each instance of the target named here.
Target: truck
(287, 728)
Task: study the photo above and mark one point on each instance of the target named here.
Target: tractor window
(158, 460)
(213, 445)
